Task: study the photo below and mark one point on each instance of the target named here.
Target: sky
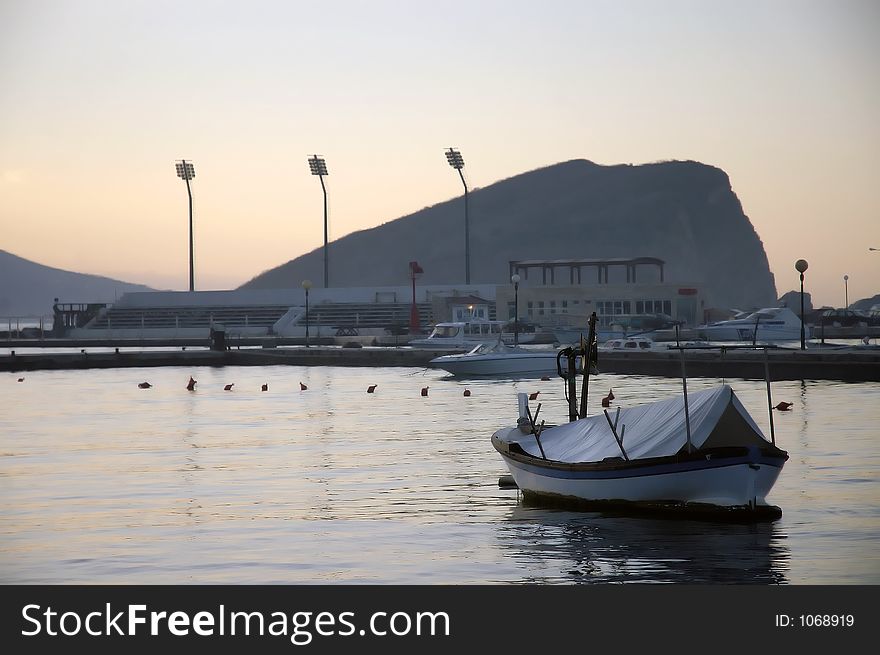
(98, 99)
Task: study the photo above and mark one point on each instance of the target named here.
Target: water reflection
(581, 548)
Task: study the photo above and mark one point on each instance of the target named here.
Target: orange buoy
(265, 387)
(783, 406)
(302, 387)
(228, 387)
(371, 388)
(144, 385)
(545, 379)
(534, 396)
(610, 394)
(191, 385)
(467, 392)
(424, 391)
(21, 379)
(606, 402)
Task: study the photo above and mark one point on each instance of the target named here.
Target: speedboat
(769, 324)
(498, 359)
(467, 334)
(698, 453)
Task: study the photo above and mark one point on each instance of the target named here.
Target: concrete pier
(853, 365)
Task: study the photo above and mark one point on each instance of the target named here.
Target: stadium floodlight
(455, 160)
(319, 167)
(186, 172)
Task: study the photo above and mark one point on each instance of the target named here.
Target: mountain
(29, 289)
(683, 212)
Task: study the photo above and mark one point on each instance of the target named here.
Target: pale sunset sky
(99, 98)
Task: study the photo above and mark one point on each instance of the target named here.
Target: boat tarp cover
(653, 430)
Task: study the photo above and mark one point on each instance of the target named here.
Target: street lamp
(319, 167)
(801, 266)
(515, 279)
(415, 271)
(455, 160)
(846, 291)
(186, 172)
(307, 284)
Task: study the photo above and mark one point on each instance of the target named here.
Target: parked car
(843, 318)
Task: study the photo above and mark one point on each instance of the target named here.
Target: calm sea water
(103, 482)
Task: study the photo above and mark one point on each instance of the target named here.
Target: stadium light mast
(319, 167)
(455, 160)
(186, 172)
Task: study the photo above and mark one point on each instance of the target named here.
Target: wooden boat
(695, 453)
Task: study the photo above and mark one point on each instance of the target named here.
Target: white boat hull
(747, 333)
(725, 481)
(537, 363)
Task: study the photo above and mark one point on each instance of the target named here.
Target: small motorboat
(697, 453)
(498, 359)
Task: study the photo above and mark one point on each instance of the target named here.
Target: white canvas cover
(652, 430)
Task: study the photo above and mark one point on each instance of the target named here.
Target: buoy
(606, 402)
(191, 385)
(467, 392)
(424, 391)
(610, 394)
(783, 406)
(302, 387)
(545, 379)
(507, 482)
(265, 387)
(228, 387)
(144, 385)
(371, 388)
(21, 379)
(534, 396)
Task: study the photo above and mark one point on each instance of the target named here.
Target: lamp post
(515, 279)
(415, 271)
(307, 284)
(801, 266)
(186, 172)
(455, 160)
(846, 291)
(319, 167)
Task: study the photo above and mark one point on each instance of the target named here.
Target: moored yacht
(769, 324)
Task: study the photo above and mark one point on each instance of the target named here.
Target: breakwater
(851, 365)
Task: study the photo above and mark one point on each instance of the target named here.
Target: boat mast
(588, 363)
(684, 387)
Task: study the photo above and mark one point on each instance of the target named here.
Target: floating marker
(371, 388)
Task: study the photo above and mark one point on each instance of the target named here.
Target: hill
(29, 289)
(683, 212)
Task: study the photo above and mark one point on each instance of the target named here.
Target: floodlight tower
(319, 167)
(455, 160)
(186, 172)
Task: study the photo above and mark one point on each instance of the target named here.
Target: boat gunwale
(718, 457)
